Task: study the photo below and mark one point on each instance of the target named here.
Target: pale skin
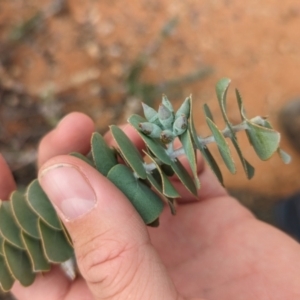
(212, 249)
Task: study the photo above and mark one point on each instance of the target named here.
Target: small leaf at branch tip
(163, 112)
(286, 158)
(167, 103)
(184, 108)
(150, 114)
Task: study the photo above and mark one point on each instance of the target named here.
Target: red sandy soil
(81, 57)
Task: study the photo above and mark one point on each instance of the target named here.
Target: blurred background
(104, 57)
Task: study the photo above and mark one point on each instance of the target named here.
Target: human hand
(212, 249)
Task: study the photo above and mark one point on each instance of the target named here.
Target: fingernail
(69, 190)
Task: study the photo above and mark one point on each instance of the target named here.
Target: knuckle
(106, 261)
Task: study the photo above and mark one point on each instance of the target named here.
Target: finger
(7, 182)
(72, 134)
(53, 286)
(111, 243)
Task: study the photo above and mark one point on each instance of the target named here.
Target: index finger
(7, 182)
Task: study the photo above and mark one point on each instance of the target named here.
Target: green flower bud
(180, 125)
(166, 117)
(150, 114)
(167, 103)
(167, 136)
(150, 129)
(184, 108)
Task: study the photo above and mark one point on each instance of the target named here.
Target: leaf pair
(129, 179)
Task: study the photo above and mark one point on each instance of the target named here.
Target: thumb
(111, 243)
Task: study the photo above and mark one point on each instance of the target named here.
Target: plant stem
(204, 141)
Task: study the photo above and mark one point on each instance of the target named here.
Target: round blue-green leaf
(24, 215)
(41, 205)
(265, 141)
(8, 227)
(6, 279)
(129, 152)
(104, 157)
(19, 264)
(55, 245)
(146, 202)
(222, 145)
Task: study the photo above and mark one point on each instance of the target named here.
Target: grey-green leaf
(104, 157)
(168, 189)
(166, 117)
(203, 149)
(129, 151)
(167, 103)
(8, 227)
(264, 141)
(251, 136)
(155, 146)
(6, 279)
(41, 205)
(221, 90)
(240, 104)
(145, 201)
(222, 145)
(1, 245)
(36, 254)
(184, 177)
(19, 264)
(24, 215)
(55, 245)
(184, 108)
(188, 146)
(207, 112)
(150, 114)
(286, 158)
(248, 168)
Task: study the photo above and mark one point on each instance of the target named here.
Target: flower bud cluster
(165, 124)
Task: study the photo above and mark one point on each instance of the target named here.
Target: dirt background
(103, 57)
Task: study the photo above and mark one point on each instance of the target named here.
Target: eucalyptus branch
(205, 141)
(29, 223)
